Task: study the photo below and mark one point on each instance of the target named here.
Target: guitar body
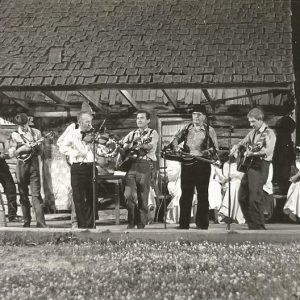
(245, 162)
(127, 157)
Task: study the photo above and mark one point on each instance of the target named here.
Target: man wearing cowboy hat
(197, 137)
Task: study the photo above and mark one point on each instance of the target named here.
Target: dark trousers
(195, 175)
(9, 189)
(82, 188)
(137, 187)
(251, 195)
(28, 173)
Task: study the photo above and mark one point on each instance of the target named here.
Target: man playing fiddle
(81, 157)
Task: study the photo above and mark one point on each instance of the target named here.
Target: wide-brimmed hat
(21, 119)
(199, 108)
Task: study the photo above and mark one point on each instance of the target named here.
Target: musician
(259, 142)
(27, 172)
(9, 187)
(199, 139)
(138, 177)
(81, 158)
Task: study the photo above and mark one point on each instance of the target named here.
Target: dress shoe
(182, 227)
(26, 225)
(129, 226)
(140, 226)
(15, 219)
(41, 225)
(201, 228)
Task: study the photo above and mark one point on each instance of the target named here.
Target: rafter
(172, 101)
(129, 98)
(250, 97)
(209, 98)
(94, 102)
(54, 97)
(20, 102)
(238, 97)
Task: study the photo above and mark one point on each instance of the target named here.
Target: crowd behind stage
(200, 185)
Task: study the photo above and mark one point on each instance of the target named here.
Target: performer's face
(198, 118)
(142, 121)
(255, 124)
(85, 122)
(24, 127)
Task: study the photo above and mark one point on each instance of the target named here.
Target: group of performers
(138, 152)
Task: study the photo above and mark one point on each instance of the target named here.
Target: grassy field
(139, 270)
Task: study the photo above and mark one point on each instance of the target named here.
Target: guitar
(131, 154)
(24, 156)
(245, 162)
(188, 158)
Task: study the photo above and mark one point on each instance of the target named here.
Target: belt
(144, 159)
(83, 164)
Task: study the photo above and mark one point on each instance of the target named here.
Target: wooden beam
(238, 97)
(95, 103)
(54, 97)
(172, 101)
(20, 102)
(209, 98)
(55, 114)
(129, 98)
(250, 96)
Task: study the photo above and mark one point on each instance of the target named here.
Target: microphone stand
(229, 179)
(96, 136)
(94, 180)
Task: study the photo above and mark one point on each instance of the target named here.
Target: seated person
(235, 212)
(292, 205)
(215, 195)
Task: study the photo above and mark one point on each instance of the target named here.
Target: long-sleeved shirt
(21, 137)
(266, 137)
(71, 144)
(144, 135)
(195, 137)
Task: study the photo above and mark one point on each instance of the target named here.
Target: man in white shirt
(27, 172)
(81, 159)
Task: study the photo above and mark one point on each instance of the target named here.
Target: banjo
(26, 155)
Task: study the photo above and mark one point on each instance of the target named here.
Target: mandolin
(24, 156)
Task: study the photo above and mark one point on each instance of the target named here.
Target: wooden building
(163, 56)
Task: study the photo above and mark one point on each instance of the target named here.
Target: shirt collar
(20, 131)
(262, 128)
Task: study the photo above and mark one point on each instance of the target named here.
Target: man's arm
(66, 146)
(152, 143)
(244, 141)
(268, 149)
(179, 137)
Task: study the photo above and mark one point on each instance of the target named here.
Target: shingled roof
(140, 43)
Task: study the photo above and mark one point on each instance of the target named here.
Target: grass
(140, 270)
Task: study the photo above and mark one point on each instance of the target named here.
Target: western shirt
(266, 136)
(143, 135)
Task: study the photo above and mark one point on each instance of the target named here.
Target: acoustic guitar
(245, 162)
(26, 155)
(131, 154)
